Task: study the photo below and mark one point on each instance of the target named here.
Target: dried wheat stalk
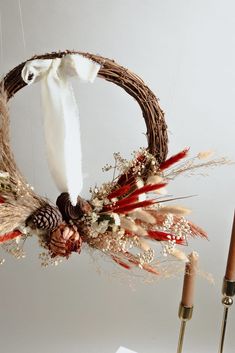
(19, 198)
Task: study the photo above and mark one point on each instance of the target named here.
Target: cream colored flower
(205, 154)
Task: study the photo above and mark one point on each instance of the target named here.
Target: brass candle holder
(186, 306)
(185, 314)
(228, 292)
(228, 289)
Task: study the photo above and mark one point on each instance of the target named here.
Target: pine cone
(45, 218)
(64, 240)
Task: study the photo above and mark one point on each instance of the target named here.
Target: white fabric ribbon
(61, 118)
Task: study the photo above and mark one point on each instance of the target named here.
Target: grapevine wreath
(130, 219)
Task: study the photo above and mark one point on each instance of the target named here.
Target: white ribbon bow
(61, 118)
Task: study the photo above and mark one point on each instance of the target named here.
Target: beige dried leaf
(176, 210)
(143, 216)
(180, 255)
(130, 225)
(154, 179)
(144, 245)
(205, 154)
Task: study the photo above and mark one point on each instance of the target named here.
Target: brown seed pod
(70, 212)
(64, 240)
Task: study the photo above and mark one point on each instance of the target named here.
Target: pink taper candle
(230, 270)
(189, 280)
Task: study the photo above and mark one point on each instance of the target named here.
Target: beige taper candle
(189, 280)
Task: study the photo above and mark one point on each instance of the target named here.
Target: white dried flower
(97, 203)
(2, 261)
(94, 217)
(100, 227)
(4, 175)
(116, 218)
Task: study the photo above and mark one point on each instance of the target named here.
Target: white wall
(185, 51)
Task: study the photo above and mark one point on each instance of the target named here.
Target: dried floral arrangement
(124, 219)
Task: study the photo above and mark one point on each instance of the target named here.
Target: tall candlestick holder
(228, 289)
(228, 292)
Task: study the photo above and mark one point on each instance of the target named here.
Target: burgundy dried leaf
(121, 263)
(119, 192)
(131, 207)
(174, 159)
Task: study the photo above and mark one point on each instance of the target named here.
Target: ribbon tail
(61, 117)
(72, 144)
(54, 127)
(62, 133)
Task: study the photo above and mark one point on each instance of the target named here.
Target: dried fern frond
(191, 167)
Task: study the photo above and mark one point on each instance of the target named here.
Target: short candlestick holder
(228, 292)
(185, 314)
